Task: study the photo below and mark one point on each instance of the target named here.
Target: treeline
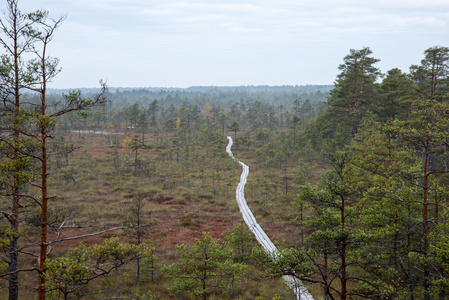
(266, 93)
(137, 110)
(230, 103)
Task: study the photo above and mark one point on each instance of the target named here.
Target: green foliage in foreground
(205, 268)
(69, 275)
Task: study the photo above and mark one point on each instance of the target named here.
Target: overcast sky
(182, 43)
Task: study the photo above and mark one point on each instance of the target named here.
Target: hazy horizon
(198, 86)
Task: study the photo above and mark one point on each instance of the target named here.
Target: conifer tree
(353, 96)
(17, 38)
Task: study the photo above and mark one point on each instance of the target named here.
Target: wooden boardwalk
(301, 292)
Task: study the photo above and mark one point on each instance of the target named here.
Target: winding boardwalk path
(299, 289)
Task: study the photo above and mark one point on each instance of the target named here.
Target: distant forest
(215, 95)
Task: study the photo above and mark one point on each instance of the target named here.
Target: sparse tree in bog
(152, 110)
(134, 146)
(281, 116)
(222, 116)
(242, 241)
(294, 126)
(234, 127)
(208, 112)
(132, 113)
(204, 269)
(142, 124)
(136, 224)
(149, 263)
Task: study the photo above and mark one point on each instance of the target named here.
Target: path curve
(298, 287)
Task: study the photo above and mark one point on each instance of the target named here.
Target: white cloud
(263, 41)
